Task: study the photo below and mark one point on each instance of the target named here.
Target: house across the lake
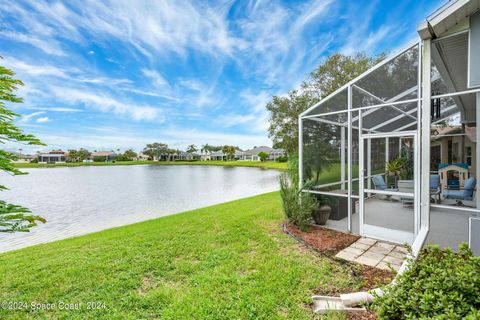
(142, 157)
(253, 154)
(188, 156)
(25, 158)
(103, 156)
(400, 139)
(54, 156)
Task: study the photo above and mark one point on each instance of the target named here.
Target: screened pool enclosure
(396, 147)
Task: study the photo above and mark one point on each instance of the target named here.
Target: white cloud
(108, 138)
(49, 46)
(148, 26)
(55, 109)
(36, 70)
(43, 120)
(105, 103)
(28, 117)
(256, 120)
(157, 79)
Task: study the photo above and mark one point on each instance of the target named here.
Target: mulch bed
(322, 239)
(331, 242)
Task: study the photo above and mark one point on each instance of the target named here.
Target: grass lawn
(266, 165)
(228, 261)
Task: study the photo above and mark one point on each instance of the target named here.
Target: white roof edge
(426, 29)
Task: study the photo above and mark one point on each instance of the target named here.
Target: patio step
(374, 253)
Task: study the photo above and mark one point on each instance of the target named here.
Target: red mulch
(374, 278)
(331, 242)
(322, 239)
(367, 315)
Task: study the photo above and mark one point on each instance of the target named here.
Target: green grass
(266, 165)
(228, 261)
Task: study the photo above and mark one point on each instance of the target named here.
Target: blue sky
(121, 73)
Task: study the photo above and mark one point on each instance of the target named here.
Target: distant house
(252, 154)
(239, 155)
(167, 157)
(24, 158)
(218, 155)
(205, 156)
(188, 156)
(54, 156)
(107, 155)
(142, 157)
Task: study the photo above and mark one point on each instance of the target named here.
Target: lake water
(81, 200)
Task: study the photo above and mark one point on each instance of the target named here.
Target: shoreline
(281, 166)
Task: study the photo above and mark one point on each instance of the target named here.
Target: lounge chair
(435, 187)
(463, 194)
(406, 186)
(380, 184)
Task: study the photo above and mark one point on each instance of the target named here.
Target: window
(455, 156)
(450, 151)
(469, 155)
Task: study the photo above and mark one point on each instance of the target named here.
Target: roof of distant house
(59, 151)
(103, 154)
(218, 153)
(256, 150)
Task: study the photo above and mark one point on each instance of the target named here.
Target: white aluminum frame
(420, 117)
(384, 232)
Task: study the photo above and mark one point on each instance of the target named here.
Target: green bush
(264, 156)
(297, 205)
(441, 284)
(282, 159)
(99, 159)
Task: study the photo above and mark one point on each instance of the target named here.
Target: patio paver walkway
(374, 253)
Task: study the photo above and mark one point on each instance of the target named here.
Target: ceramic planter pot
(321, 215)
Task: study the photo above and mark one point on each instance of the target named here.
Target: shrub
(99, 159)
(282, 159)
(297, 205)
(441, 284)
(264, 156)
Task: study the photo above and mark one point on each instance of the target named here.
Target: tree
(73, 155)
(12, 217)
(192, 148)
(206, 148)
(229, 151)
(83, 154)
(336, 71)
(263, 156)
(156, 150)
(129, 154)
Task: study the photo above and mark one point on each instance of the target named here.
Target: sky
(120, 73)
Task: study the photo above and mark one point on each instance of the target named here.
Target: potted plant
(321, 212)
(394, 167)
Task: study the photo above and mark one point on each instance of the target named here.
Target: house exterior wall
(457, 140)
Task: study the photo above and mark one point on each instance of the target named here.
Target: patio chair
(380, 184)
(463, 194)
(406, 186)
(435, 187)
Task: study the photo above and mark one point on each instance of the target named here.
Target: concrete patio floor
(448, 227)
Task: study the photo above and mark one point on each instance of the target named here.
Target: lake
(80, 200)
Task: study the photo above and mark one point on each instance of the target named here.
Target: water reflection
(80, 200)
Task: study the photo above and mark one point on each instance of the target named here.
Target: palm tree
(229, 151)
(206, 148)
(192, 148)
